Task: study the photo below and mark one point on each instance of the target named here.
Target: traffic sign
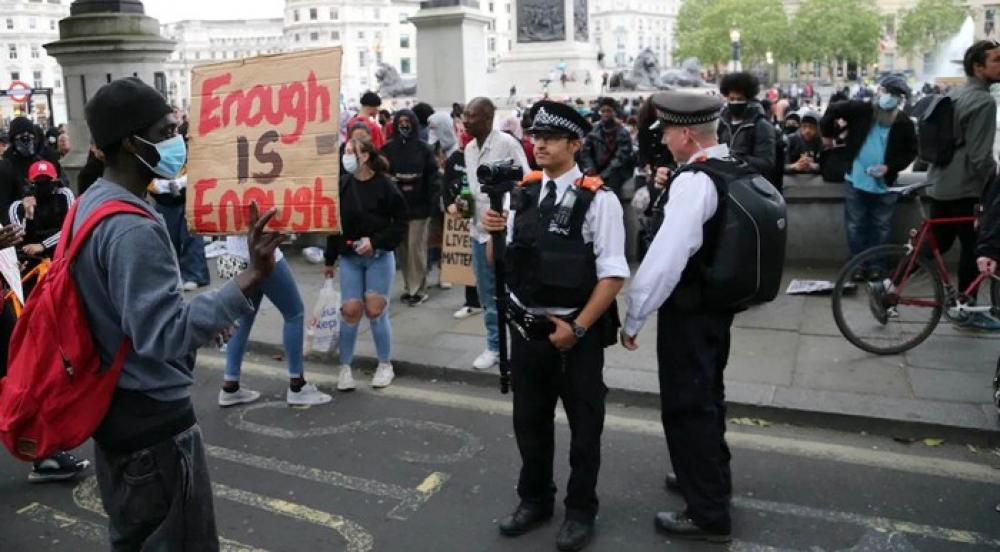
(19, 92)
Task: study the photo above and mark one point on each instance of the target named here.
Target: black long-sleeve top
(373, 209)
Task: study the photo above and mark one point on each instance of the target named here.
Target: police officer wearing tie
(692, 340)
(565, 264)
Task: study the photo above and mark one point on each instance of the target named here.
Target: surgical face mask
(738, 109)
(888, 102)
(25, 146)
(173, 156)
(350, 162)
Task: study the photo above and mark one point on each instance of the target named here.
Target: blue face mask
(173, 156)
(888, 102)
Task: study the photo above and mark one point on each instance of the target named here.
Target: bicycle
(902, 302)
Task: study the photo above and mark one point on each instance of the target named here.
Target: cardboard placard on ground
(265, 129)
(456, 251)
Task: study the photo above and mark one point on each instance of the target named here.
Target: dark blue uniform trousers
(692, 350)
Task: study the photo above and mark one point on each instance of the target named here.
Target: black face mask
(610, 123)
(405, 130)
(44, 188)
(25, 148)
(738, 109)
(791, 129)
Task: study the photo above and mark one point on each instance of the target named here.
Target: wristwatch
(578, 330)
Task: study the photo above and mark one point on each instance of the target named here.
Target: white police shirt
(603, 226)
(693, 201)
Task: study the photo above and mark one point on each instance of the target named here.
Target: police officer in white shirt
(565, 264)
(692, 340)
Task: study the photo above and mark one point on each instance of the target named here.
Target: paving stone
(830, 363)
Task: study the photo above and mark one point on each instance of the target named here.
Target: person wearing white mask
(374, 222)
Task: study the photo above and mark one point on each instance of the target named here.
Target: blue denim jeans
(868, 218)
(280, 288)
(190, 248)
(486, 285)
(367, 275)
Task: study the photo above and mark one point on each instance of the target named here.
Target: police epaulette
(592, 183)
(533, 176)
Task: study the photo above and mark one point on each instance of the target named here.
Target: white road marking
(923, 465)
(57, 519)
(410, 500)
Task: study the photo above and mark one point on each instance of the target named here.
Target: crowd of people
(401, 173)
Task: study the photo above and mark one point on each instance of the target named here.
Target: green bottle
(467, 201)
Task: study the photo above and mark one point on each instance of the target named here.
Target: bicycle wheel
(894, 311)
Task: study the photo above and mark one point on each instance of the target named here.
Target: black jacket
(798, 146)
(989, 222)
(373, 209)
(454, 177)
(652, 152)
(413, 167)
(901, 148)
(14, 176)
(753, 140)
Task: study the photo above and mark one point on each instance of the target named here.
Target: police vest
(742, 257)
(548, 263)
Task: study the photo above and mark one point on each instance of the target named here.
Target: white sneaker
(240, 396)
(346, 380)
(383, 375)
(309, 395)
(487, 360)
(465, 312)
(444, 285)
(190, 286)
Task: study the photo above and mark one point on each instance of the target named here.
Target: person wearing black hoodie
(414, 169)
(745, 127)
(423, 111)
(27, 146)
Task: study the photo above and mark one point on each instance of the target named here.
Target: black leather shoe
(574, 535)
(671, 483)
(524, 519)
(679, 525)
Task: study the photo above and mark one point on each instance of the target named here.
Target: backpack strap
(69, 247)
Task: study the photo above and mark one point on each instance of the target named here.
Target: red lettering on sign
(320, 202)
(301, 209)
(210, 103)
(201, 209)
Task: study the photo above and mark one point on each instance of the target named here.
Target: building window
(298, 37)
(296, 17)
(333, 13)
(403, 18)
(37, 78)
(35, 53)
(404, 41)
(15, 75)
(363, 58)
(313, 14)
(378, 14)
(492, 44)
(314, 37)
(12, 51)
(404, 66)
(10, 23)
(32, 23)
(361, 35)
(378, 57)
(491, 7)
(52, 24)
(334, 35)
(58, 83)
(491, 67)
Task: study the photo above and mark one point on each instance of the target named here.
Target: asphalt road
(431, 466)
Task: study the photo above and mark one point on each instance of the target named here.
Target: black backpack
(936, 136)
(748, 259)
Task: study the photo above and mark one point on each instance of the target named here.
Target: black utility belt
(533, 327)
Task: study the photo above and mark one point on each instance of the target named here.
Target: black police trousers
(692, 350)
(540, 376)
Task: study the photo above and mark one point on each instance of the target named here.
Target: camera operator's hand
(662, 177)
(495, 222)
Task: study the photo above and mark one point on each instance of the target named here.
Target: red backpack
(56, 392)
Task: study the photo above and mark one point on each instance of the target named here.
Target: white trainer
(190, 286)
(487, 360)
(346, 380)
(309, 395)
(466, 312)
(383, 375)
(240, 396)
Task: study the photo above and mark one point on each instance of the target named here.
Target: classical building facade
(623, 28)
(25, 25)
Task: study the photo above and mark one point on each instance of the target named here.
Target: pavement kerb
(842, 421)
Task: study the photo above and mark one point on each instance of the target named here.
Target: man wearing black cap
(607, 150)
(565, 265)
(882, 142)
(370, 103)
(129, 276)
(692, 340)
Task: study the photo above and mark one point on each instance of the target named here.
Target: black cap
(895, 84)
(610, 102)
(370, 99)
(685, 108)
(555, 118)
(122, 108)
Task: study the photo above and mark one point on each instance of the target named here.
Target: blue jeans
(280, 288)
(190, 248)
(868, 217)
(486, 286)
(360, 276)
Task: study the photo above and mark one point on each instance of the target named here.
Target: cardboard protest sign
(456, 251)
(265, 129)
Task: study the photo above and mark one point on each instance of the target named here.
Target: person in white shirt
(488, 145)
(565, 264)
(692, 340)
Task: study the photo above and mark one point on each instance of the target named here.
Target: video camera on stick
(499, 178)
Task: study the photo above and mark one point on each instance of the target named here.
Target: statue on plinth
(646, 75)
(391, 85)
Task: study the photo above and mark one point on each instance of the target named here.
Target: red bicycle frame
(917, 240)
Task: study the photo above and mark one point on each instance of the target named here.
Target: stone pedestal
(100, 41)
(551, 38)
(451, 51)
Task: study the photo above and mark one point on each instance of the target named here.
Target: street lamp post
(771, 74)
(734, 39)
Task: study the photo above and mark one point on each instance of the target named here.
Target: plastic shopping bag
(323, 330)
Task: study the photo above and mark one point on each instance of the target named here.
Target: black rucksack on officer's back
(745, 265)
(936, 136)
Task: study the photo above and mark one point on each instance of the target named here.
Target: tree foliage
(703, 30)
(828, 30)
(928, 24)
